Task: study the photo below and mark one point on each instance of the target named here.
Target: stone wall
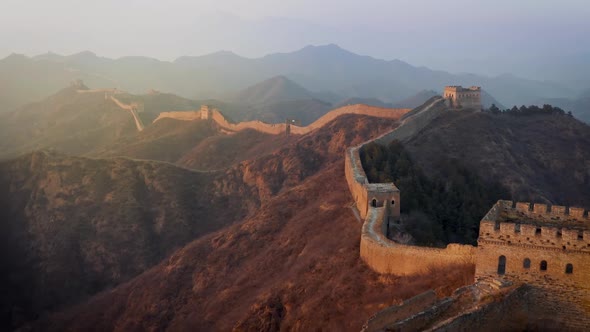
(380, 253)
(132, 108)
(524, 308)
(180, 115)
(388, 257)
(383, 318)
(280, 128)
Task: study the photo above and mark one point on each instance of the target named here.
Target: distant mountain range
(327, 71)
(579, 106)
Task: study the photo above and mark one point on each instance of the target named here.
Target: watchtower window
(526, 263)
(569, 269)
(543, 265)
(392, 202)
(374, 202)
(516, 228)
(538, 231)
(502, 265)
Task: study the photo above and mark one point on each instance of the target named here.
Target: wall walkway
(279, 128)
(380, 253)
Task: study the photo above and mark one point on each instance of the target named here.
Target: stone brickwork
(547, 247)
(460, 97)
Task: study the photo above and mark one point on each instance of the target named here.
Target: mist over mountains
(326, 72)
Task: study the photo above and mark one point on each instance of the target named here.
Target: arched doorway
(502, 265)
(374, 202)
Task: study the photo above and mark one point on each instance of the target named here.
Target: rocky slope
(73, 226)
(292, 265)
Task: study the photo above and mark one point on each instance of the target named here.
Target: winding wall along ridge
(279, 128)
(378, 252)
(132, 109)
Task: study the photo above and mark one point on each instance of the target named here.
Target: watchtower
(459, 97)
(534, 242)
(206, 112)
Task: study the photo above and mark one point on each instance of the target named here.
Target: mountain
(539, 157)
(274, 269)
(579, 106)
(304, 110)
(327, 69)
(417, 99)
(256, 240)
(487, 100)
(276, 99)
(80, 121)
(71, 226)
(274, 89)
(72, 122)
(366, 101)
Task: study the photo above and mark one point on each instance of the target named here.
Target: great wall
(109, 94)
(532, 261)
(208, 112)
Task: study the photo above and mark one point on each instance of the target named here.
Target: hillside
(317, 68)
(72, 226)
(539, 158)
(282, 267)
(86, 124)
(71, 122)
(276, 99)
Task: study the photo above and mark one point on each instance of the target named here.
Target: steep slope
(73, 226)
(166, 140)
(540, 158)
(293, 265)
(220, 151)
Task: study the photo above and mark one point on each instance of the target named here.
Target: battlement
(458, 88)
(460, 97)
(536, 225)
(539, 214)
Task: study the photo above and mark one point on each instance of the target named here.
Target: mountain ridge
(317, 68)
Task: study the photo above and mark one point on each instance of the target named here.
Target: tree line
(529, 110)
(445, 209)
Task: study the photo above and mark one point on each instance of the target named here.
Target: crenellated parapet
(540, 225)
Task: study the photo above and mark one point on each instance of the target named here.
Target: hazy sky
(434, 33)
